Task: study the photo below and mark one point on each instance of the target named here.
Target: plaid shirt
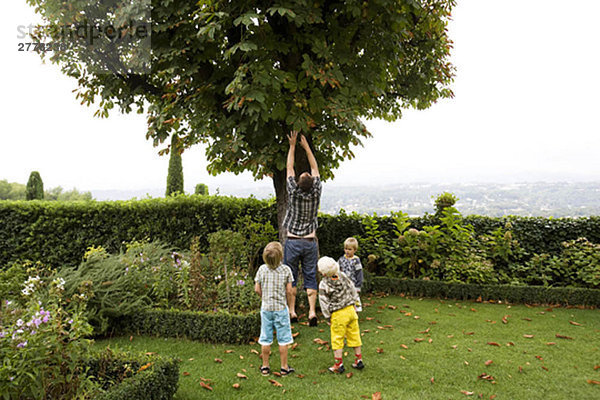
(272, 284)
(335, 293)
(353, 268)
(301, 216)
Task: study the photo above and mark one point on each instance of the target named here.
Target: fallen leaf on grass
(369, 318)
(392, 307)
(295, 334)
(294, 346)
(241, 376)
(469, 333)
(151, 353)
(277, 374)
(432, 380)
(486, 377)
(418, 339)
(544, 368)
(379, 350)
(526, 319)
(528, 336)
(218, 360)
(467, 393)
(236, 385)
(492, 397)
(228, 351)
(320, 341)
(575, 323)
(550, 343)
(596, 367)
(520, 369)
(376, 396)
(186, 374)
(254, 351)
(425, 331)
(349, 375)
(404, 346)
(539, 358)
(205, 386)
(593, 382)
(300, 376)
(488, 362)
(474, 310)
(563, 337)
(493, 344)
(275, 383)
(505, 319)
(130, 338)
(510, 344)
(367, 331)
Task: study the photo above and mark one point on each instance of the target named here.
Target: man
(301, 224)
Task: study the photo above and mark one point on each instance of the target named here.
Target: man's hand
(292, 137)
(304, 142)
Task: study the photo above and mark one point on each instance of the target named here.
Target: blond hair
(352, 243)
(273, 254)
(328, 266)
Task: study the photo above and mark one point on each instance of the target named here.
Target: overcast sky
(526, 107)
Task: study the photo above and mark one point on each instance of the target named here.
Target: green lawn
(413, 349)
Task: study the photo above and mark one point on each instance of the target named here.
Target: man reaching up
(300, 222)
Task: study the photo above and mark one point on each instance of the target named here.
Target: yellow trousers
(344, 324)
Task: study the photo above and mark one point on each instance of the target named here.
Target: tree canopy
(239, 75)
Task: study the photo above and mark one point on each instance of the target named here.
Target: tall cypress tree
(175, 175)
(35, 187)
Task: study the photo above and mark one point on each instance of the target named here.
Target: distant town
(491, 199)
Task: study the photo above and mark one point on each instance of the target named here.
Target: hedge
(157, 381)
(58, 233)
(218, 327)
(508, 293)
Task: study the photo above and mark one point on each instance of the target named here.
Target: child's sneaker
(358, 364)
(337, 369)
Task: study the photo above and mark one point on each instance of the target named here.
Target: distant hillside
(525, 199)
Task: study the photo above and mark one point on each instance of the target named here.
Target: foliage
(444, 201)
(507, 293)
(145, 274)
(42, 344)
(35, 187)
(214, 327)
(256, 232)
(58, 194)
(126, 376)
(11, 191)
(201, 189)
(175, 175)
(577, 265)
(58, 234)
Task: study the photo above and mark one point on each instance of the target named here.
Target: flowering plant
(42, 345)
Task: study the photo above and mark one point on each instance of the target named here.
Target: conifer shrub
(175, 174)
(35, 187)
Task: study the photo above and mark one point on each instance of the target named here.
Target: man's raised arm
(292, 137)
(312, 161)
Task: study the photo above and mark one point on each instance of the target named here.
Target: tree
(175, 175)
(201, 189)
(35, 187)
(237, 76)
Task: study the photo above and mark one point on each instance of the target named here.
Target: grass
(413, 349)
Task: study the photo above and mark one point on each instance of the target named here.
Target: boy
(337, 296)
(351, 266)
(274, 286)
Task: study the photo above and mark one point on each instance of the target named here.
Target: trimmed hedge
(58, 233)
(207, 327)
(156, 382)
(508, 293)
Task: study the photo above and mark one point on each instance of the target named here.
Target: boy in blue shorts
(273, 283)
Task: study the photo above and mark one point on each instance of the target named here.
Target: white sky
(526, 109)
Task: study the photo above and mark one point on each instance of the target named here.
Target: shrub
(145, 274)
(124, 376)
(201, 189)
(213, 327)
(42, 345)
(175, 175)
(35, 187)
